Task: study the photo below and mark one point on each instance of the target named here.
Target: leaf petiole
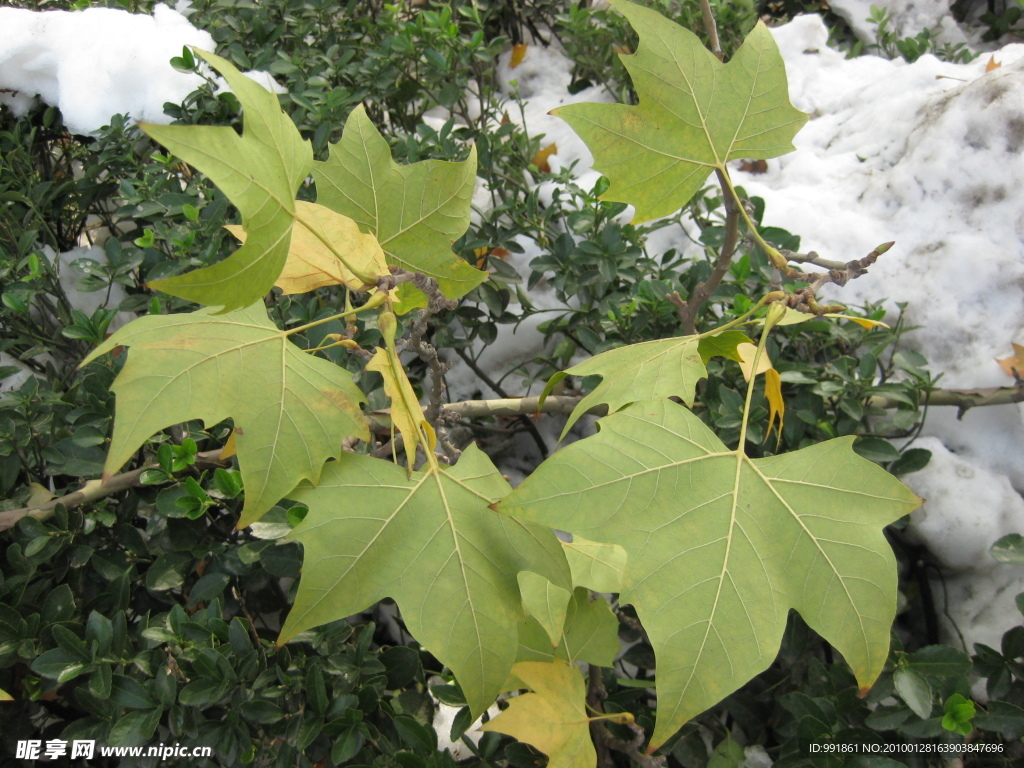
(768, 297)
(372, 303)
(778, 260)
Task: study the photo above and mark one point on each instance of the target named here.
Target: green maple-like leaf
(660, 368)
(721, 546)
(416, 211)
(431, 542)
(291, 410)
(695, 114)
(589, 632)
(260, 172)
(545, 602)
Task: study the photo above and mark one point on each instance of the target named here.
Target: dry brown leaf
(541, 158)
(518, 54)
(754, 166)
(1014, 366)
(992, 64)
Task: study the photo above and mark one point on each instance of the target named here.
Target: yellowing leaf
(431, 542)
(325, 249)
(230, 448)
(1014, 365)
(5, 696)
(260, 172)
(553, 718)
(545, 602)
(415, 211)
(794, 317)
(518, 54)
(747, 353)
(291, 410)
(776, 405)
(595, 565)
(720, 546)
(695, 114)
(39, 495)
(541, 158)
(863, 322)
(406, 413)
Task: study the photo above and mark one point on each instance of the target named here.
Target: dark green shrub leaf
(415, 735)
(1009, 549)
(168, 572)
(59, 605)
(347, 744)
(914, 690)
(1004, 718)
(939, 661)
(449, 694)
(130, 694)
(402, 665)
(261, 712)
(207, 588)
(57, 664)
(135, 728)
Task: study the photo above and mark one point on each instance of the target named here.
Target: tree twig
(596, 694)
(964, 399)
(94, 490)
(689, 310)
(524, 418)
(712, 29)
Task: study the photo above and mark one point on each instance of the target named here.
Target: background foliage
(148, 617)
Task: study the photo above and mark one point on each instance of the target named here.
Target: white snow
(907, 19)
(99, 62)
(927, 154)
(96, 63)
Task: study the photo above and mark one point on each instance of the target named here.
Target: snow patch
(967, 508)
(99, 62)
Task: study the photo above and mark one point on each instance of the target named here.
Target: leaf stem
(773, 296)
(777, 259)
(372, 303)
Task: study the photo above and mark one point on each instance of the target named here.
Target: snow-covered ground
(927, 154)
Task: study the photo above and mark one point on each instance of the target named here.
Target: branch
(964, 399)
(538, 438)
(712, 29)
(688, 311)
(838, 273)
(94, 490)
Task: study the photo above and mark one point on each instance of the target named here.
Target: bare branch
(712, 29)
(94, 490)
(689, 310)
